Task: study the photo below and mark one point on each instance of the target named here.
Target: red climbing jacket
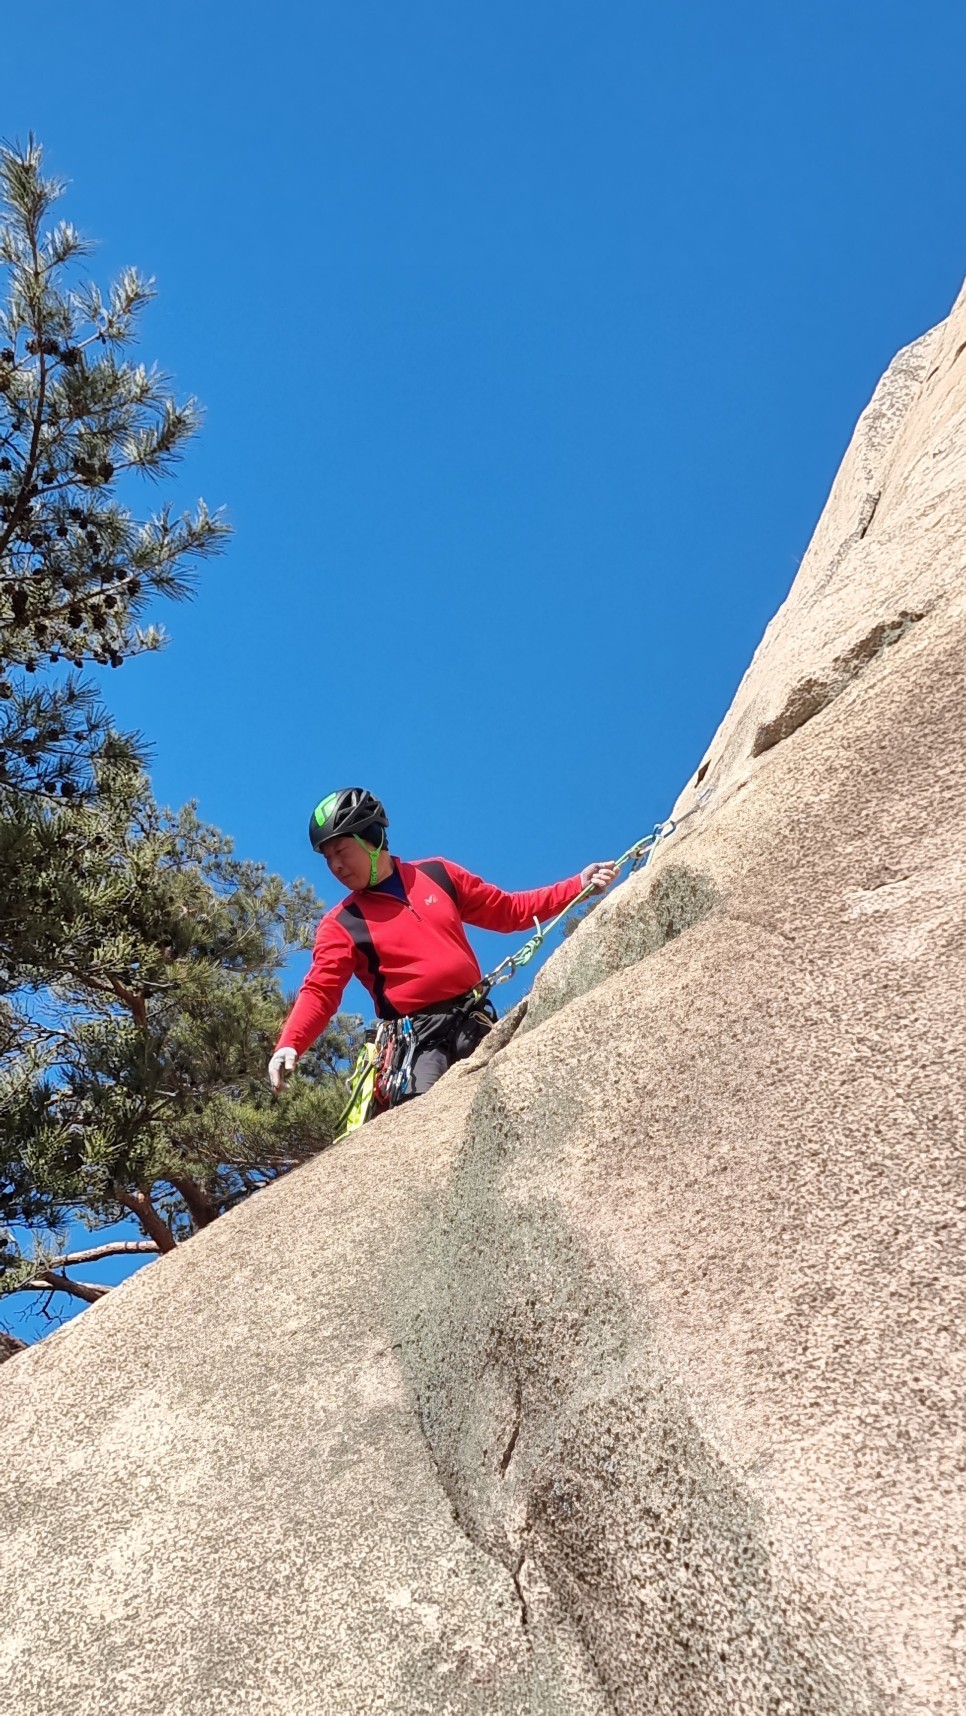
(410, 954)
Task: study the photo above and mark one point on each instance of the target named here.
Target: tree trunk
(200, 1207)
(154, 1226)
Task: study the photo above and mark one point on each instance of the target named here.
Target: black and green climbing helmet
(351, 810)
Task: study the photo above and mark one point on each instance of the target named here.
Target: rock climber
(401, 933)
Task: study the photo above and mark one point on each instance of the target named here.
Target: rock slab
(624, 1372)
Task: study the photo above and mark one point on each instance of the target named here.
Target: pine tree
(140, 961)
(79, 422)
(136, 1028)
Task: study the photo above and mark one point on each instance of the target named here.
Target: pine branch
(48, 1281)
(77, 567)
(111, 1248)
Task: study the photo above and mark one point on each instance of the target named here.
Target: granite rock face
(624, 1372)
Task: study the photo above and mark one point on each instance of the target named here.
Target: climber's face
(348, 859)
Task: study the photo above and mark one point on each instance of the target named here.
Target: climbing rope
(637, 856)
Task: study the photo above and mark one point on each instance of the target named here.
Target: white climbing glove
(599, 876)
(281, 1067)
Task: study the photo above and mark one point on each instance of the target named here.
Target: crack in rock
(517, 1421)
(811, 695)
(514, 1571)
(867, 514)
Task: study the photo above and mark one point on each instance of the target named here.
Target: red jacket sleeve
(488, 907)
(333, 962)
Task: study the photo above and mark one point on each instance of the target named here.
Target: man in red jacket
(401, 933)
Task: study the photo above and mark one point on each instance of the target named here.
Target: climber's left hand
(599, 876)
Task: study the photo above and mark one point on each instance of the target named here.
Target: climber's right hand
(281, 1067)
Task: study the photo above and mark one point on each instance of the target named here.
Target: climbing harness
(383, 1073)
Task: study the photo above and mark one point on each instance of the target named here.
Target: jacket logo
(431, 900)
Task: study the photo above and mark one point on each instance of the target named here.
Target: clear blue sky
(530, 336)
